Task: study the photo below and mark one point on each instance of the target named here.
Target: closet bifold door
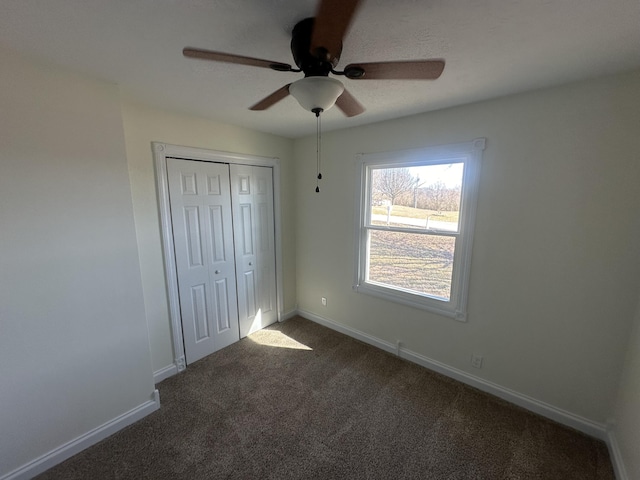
(253, 218)
(200, 199)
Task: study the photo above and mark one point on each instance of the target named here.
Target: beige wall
(74, 350)
(143, 125)
(626, 416)
(555, 270)
(556, 259)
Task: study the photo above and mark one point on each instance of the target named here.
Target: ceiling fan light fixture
(316, 92)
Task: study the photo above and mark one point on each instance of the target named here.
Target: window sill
(416, 301)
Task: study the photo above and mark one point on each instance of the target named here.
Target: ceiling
(492, 48)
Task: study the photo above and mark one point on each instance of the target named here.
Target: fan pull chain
(317, 111)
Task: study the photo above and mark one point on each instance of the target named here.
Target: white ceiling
(492, 48)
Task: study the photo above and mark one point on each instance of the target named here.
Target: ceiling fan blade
(272, 99)
(349, 105)
(330, 26)
(402, 70)
(238, 59)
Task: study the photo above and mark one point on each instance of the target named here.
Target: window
(415, 226)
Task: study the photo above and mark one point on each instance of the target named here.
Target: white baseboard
(163, 373)
(290, 314)
(559, 415)
(69, 449)
(616, 456)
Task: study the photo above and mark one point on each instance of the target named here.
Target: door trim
(161, 151)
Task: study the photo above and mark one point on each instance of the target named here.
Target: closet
(222, 223)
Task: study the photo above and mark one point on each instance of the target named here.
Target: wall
(144, 125)
(556, 258)
(555, 270)
(74, 349)
(626, 416)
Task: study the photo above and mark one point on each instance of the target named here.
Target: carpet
(300, 401)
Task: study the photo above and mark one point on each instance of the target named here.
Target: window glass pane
(417, 197)
(411, 261)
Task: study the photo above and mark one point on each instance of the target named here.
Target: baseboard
(616, 456)
(556, 414)
(82, 442)
(290, 314)
(164, 373)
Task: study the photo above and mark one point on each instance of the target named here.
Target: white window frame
(469, 153)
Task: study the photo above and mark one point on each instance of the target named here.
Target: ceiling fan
(316, 45)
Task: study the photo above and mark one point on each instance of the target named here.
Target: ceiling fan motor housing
(313, 64)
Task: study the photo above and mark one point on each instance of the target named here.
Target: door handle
(217, 271)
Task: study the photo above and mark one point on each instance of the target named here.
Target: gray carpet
(299, 401)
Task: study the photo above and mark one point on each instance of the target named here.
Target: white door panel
(203, 239)
(200, 316)
(252, 193)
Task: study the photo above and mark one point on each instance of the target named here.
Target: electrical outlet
(324, 302)
(476, 361)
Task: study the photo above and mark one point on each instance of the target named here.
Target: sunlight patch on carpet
(274, 338)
